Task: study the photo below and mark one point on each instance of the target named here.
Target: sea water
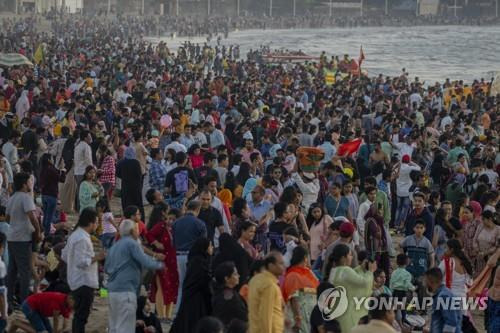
(433, 53)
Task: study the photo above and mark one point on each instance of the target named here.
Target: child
(109, 227)
(421, 253)
(400, 283)
(3, 288)
(419, 249)
(146, 320)
(173, 214)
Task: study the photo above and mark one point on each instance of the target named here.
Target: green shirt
(401, 280)
(357, 283)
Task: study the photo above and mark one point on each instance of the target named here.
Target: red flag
(361, 56)
(349, 148)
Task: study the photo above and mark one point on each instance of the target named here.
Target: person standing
(196, 294)
(185, 232)
(107, 171)
(129, 171)
(442, 319)
(124, 263)
(24, 230)
(299, 290)
(357, 283)
(90, 189)
(140, 154)
(9, 150)
(82, 157)
(211, 216)
(50, 177)
(157, 171)
(165, 283)
(265, 303)
(403, 184)
(81, 261)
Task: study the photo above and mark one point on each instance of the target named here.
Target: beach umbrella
(14, 59)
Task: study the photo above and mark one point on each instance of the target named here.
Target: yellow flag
(38, 56)
(329, 77)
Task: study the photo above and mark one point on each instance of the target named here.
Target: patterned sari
(300, 283)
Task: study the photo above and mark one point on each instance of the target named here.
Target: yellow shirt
(265, 304)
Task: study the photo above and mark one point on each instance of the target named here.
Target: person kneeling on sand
(37, 308)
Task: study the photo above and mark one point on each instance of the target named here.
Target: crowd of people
(196, 203)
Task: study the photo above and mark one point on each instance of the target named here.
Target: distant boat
(288, 57)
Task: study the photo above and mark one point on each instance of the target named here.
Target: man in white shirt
(215, 135)
(199, 137)
(415, 98)
(175, 144)
(405, 148)
(81, 261)
(82, 155)
(403, 184)
(9, 150)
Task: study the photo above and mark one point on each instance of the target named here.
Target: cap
(346, 229)
(406, 159)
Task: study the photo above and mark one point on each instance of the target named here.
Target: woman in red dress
(165, 283)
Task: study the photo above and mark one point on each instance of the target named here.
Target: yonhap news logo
(333, 303)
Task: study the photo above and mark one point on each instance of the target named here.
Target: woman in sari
(376, 240)
(165, 282)
(299, 291)
(485, 240)
(471, 218)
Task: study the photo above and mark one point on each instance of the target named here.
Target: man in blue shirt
(445, 317)
(185, 231)
(157, 171)
(124, 264)
(259, 207)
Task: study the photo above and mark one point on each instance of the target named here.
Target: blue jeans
(402, 210)
(49, 210)
(107, 240)
(37, 321)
